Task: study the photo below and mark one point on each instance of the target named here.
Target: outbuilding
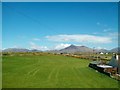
(110, 69)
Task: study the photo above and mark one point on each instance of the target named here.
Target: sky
(60, 0)
(56, 25)
(0, 26)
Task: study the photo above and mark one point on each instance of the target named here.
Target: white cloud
(115, 34)
(95, 33)
(78, 45)
(98, 23)
(61, 46)
(21, 37)
(80, 38)
(36, 39)
(35, 46)
(105, 25)
(100, 47)
(106, 30)
(15, 46)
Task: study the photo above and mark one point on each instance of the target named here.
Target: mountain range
(20, 50)
(69, 49)
(73, 49)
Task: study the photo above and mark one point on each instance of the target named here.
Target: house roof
(95, 62)
(113, 62)
(104, 66)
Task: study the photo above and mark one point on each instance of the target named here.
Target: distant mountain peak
(72, 48)
(72, 45)
(16, 50)
(83, 46)
(115, 50)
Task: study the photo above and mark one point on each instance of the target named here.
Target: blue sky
(51, 25)
(0, 25)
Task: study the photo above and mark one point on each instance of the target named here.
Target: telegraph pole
(93, 52)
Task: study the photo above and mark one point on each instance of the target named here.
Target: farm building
(97, 65)
(110, 69)
(114, 61)
(94, 64)
(101, 53)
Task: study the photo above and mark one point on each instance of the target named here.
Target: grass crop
(52, 71)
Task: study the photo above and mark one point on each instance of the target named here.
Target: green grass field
(52, 71)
